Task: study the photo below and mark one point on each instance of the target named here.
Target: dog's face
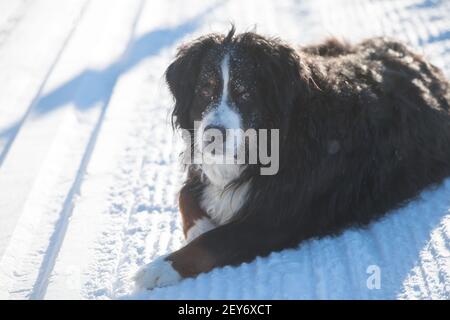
(229, 84)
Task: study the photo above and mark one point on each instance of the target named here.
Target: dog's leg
(195, 220)
(230, 244)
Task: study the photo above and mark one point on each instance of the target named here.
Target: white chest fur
(221, 205)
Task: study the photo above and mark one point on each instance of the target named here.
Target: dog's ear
(181, 77)
(280, 73)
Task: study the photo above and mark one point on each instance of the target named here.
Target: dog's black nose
(217, 128)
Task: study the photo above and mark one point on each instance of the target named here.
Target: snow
(88, 161)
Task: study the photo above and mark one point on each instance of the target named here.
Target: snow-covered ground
(88, 161)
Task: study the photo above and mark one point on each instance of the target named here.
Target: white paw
(158, 273)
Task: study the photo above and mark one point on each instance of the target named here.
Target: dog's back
(389, 111)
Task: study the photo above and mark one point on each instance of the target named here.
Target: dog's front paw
(158, 273)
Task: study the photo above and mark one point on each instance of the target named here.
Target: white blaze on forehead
(225, 67)
(223, 114)
(226, 115)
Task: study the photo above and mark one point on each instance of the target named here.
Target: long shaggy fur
(364, 128)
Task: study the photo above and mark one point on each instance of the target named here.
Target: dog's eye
(242, 93)
(206, 92)
(244, 96)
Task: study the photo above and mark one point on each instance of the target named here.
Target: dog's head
(225, 82)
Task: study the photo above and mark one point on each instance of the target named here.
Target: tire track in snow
(15, 129)
(59, 150)
(20, 249)
(103, 280)
(61, 226)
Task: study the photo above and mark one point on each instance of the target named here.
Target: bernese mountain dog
(361, 130)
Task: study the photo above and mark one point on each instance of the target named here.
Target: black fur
(364, 128)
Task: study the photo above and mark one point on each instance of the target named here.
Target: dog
(362, 129)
